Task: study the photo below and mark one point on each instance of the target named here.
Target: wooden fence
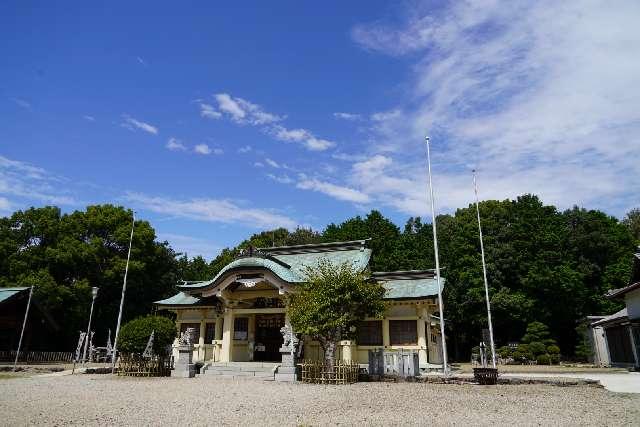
(314, 371)
(134, 365)
(37, 356)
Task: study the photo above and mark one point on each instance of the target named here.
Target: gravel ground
(104, 399)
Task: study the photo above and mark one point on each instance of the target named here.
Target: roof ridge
(316, 247)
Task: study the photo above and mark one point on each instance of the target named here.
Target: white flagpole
(445, 367)
(24, 324)
(484, 273)
(124, 288)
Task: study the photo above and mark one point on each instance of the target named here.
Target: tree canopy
(543, 264)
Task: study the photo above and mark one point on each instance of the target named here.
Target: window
(370, 332)
(403, 332)
(196, 332)
(209, 333)
(240, 328)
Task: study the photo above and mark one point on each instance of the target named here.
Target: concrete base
(286, 377)
(184, 366)
(187, 372)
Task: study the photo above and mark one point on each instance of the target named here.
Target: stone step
(236, 369)
(238, 374)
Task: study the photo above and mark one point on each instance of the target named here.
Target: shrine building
(237, 315)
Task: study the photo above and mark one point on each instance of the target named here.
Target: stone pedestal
(288, 370)
(183, 365)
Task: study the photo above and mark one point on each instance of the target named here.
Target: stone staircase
(244, 370)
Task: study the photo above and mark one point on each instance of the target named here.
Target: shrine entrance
(268, 337)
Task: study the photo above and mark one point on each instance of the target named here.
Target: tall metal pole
(24, 324)
(94, 293)
(124, 288)
(445, 366)
(484, 273)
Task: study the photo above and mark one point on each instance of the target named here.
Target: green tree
(632, 221)
(64, 255)
(331, 303)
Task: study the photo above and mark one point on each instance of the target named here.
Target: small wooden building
(622, 329)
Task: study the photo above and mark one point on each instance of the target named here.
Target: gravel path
(104, 399)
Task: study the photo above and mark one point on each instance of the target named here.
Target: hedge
(134, 335)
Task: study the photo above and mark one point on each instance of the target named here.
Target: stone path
(619, 382)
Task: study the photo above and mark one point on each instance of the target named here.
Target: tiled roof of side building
(409, 284)
(6, 293)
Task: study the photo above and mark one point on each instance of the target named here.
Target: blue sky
(216, 121)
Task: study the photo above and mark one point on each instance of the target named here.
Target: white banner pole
(445, 366)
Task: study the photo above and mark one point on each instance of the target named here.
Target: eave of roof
(615, 293)
(182, 299)
(620, 316)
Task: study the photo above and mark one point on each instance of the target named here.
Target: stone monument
(184, 366)
(287, 371)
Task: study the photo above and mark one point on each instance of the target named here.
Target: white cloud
(245, 149)
(282, 179)
(242, 111)
(133, 124)
(141, 61)
(335, 191)
(21, 103)
(5, 205)
(212, 210)
(347, 116)
(30, 184)
(272, 163)
(543, 95)
(175, 144)
(191, 246)
(202, 149)
(258, 164)
(208, 111)
(89, 118)
(303, 136)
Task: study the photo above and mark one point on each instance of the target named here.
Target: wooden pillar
(218, 328)
(226, 353)
(422, 335)
(201, 339)
(428, 333)
(386, 339)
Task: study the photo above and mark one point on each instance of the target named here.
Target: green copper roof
(411, 288)
(289, 262)
(410, 284)
(184, 299)
(6, 293)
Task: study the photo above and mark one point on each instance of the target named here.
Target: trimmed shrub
(505, 351)
(537, 348)
(134, 335)
(554, 359)
(553, 349)
(543, 359)
(518, 357)
(526, 352)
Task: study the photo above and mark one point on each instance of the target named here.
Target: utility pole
(445, 366)
(124, 288)
(484, 273)
(24, 324)
(94, 294)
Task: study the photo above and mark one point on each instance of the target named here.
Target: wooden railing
(37, 356)
(317, 372)
(134, 365)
